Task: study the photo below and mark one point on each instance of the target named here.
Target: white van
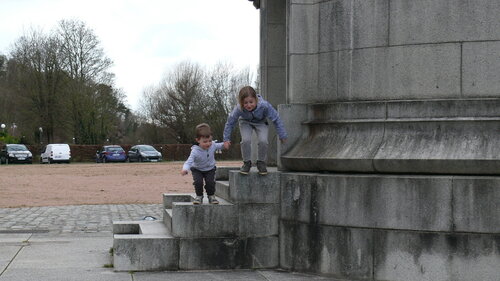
(56, 152)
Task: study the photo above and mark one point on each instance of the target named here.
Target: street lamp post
(14, 127)
(41, 132)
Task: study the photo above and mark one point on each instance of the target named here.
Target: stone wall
(392, 49)
(392, 166)
(393, 86)
(391, 227)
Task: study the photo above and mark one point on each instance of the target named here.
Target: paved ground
(72, 219)
(72, 243)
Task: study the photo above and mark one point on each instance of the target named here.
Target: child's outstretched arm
(187, 165)
(232, 118)
(280, 128)
(220, 145)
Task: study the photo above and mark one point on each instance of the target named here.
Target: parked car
(15, 153)
(111, 153)
(144, 153)
(56, 153)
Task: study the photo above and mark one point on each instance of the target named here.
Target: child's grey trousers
(262, 130)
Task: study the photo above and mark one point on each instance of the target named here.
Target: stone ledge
(431, 137)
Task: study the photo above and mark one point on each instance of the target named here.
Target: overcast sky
(146, 38)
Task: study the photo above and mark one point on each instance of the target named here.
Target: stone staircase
(239, 233)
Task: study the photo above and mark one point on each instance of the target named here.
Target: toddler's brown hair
(203, 130)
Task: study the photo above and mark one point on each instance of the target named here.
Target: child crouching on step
(252, 113)
(201, 162)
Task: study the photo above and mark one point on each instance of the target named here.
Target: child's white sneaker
(212, 199)
(198, 200)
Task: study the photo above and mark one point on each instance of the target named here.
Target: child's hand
(184, 172)
(283, 141)
(227, 144)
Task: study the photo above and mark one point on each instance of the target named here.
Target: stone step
(222, 173)
(169, 198)
(149, 246)
(143, 246)
(167, 219)
(252, 188)
(228, 253)
(187, 220)
(222, 189)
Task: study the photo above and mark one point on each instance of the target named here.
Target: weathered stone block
(480, 68)
(258, 220)
(430, 21)
(327, 78)
(147, 246)
(353, 24)
(304, 28)
(401, 72)
(293, 116)
(440, 109)
(340, 252)
(275, 54)
(303, 77)
(126, 227)
(448, 147)
(374, 201)
(254, 188)
(398, 138)
(222, 172)
(209, 253)
(167, 219)
(416, 256)
(135, 253)
(169, 198)
(305, 1)
(225, 253)
(222, 189)
(370, 23)
(260, 252)
(353, 155)
(204, 220)
(476, 204)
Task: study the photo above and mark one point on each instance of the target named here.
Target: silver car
(143, 153)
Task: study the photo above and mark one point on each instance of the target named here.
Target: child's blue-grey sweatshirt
(262, 111)
(201, 159)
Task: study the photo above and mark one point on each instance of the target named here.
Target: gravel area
(35, 185)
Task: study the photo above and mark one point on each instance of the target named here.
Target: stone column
(273, 60)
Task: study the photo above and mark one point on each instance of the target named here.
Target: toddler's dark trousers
(208, 176)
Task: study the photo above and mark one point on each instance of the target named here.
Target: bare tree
(5, 93)
(189, 95)
(83, 58)
(38, 78)
(221, 88)
(86, 64)
(178, 103)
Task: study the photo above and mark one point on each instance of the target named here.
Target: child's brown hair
(246, 92)
(203, 130)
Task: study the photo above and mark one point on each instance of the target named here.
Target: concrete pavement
(74, 242)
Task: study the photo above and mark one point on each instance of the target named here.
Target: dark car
(111, 153)
(144, 153)
(15, 153)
